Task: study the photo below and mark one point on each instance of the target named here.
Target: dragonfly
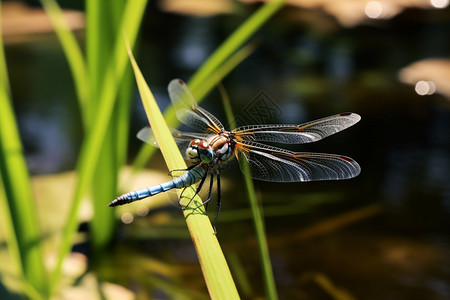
(211, 146)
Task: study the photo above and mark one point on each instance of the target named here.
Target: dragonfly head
(200, 151)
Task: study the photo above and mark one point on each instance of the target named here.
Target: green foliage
(17, 208)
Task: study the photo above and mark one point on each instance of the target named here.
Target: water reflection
(195, 42)
(50, 149)
(420, 171)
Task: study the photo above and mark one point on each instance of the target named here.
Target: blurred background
(382, 235)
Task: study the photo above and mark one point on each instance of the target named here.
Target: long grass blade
(103, 35)
(18, 213)
(258, 218)
(215, 269)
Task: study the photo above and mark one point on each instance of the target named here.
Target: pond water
(382, 235)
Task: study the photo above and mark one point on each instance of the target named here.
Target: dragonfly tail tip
(113, 203)
(118, 201)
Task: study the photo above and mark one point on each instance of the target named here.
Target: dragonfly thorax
(221, 146)
(200, 151)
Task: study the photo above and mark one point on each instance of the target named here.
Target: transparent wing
(279, 165)
(188, 112)
(181, 138)
(298, 134)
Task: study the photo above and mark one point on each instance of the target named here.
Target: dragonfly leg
(219, 203)
(181, 196)
(179, 170)
(205, 203)
(199, 187)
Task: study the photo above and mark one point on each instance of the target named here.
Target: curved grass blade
(212, 261)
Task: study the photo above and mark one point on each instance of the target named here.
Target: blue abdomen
(185, 180)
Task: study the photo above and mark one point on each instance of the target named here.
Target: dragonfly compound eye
(205, 152)
(206, 155)
(199, 150)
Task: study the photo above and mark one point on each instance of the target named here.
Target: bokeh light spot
(439, 3)
(142, 210)
(425, 87)
(127, 218)
(374, 9)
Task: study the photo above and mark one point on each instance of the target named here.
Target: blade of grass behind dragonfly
(212, 261)
(91, 148)
(18, 209)
(224, 69)
(107, 16)
(73, 53)
(236, 40)
(100, 34)
(258, 218)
